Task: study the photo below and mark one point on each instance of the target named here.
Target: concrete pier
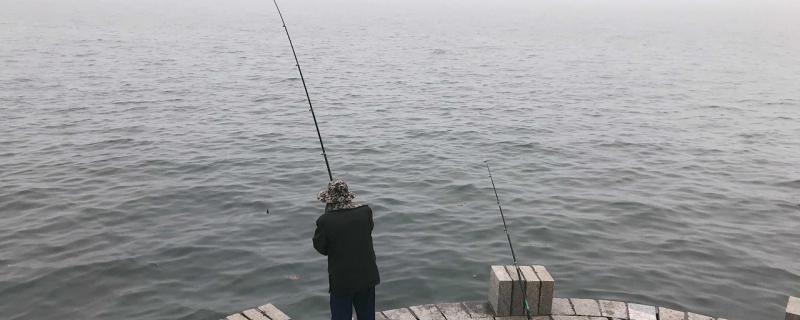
(540, 287)
(265, 312)
(563, 309)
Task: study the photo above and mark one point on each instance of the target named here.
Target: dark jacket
(345, 236)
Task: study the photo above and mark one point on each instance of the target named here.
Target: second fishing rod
(520, 276)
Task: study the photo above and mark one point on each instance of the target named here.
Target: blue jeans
(363, 301)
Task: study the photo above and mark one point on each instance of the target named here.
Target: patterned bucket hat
(337, 192)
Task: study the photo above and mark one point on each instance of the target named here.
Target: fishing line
(308, 97)
(513, 256)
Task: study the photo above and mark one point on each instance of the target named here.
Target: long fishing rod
(513, 256)
(310, 107)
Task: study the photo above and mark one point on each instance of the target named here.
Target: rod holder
(506, 290)
(793, 309)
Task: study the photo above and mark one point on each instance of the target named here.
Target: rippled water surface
(648, 153)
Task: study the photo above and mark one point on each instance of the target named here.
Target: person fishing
(344, 234)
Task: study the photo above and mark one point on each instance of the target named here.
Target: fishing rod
(513, 256)
(308, 97)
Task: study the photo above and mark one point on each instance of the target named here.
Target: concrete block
(641, 312)
(614, 309)
(533, 284)
(479, 309)
(517, 308)
(254, 314)
(793, 309)
(695, 316)
(586, 307)
(669, 314)
(500, 285)
(562, 307)
(546, 290)
(453, 311)
(236, 316)
(506, 290)
(399, 314)
(427, 312)
(273, 313)
(526, 318)
(562, 317)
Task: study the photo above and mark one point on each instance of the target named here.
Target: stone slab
(670, 314)
(793, 309)
(427, 312)
(380, 316)
(641, 312)
(546, 290)
(614, 309)
(453, 311)
(399, 314)
(532, 284)
(236, 316)
(586, 307)
(273, 313)
(695, 316)
(563, 317)
(516, 291)
(562, 306)
(500, 290)
(254, 314)
(479, 309)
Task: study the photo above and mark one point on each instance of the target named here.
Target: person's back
(344, 234)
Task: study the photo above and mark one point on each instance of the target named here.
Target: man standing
(344, 234)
